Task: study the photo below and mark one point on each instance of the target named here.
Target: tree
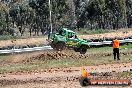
(129, 12)
(105, 13)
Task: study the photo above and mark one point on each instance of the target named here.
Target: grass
(3, 58)
(128, 46)
(40, 64)
(124, 74)
(108, 49)
(9, 37)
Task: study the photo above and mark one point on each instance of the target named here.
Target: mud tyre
(60, 46)
(53, 46)
(83, 49)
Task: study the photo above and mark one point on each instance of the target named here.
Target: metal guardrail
(109, 42)
(25, 50)
(49, 47)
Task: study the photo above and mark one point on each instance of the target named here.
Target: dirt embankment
(120, 34)
(19, 42)
(26, 58)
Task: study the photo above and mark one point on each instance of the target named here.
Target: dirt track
(63, 77)
(60, 85)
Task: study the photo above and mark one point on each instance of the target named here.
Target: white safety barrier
(109, 42)
(25, 50)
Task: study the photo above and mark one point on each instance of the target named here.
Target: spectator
(116, 45)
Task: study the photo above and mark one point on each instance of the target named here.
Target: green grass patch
(124, 74)
(3, 58)
(127, 46)
(9, 37)
(38, 64)
(97, 31)
(109, 49)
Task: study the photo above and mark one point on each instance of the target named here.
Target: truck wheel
(83, 50)
(53, 45)
(60, 46)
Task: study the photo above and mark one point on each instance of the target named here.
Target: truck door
(72, 40)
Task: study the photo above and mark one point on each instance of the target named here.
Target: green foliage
(90, 14)
(106, 14)
(59, 12)
(2, 23)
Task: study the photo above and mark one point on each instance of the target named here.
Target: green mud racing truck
(66, 38)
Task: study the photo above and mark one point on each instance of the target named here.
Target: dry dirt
(29, 41)
(119, 33)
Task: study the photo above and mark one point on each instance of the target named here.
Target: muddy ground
(63, 77)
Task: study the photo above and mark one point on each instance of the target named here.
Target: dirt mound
(53, 55)
(68, 55)
(56, 56)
